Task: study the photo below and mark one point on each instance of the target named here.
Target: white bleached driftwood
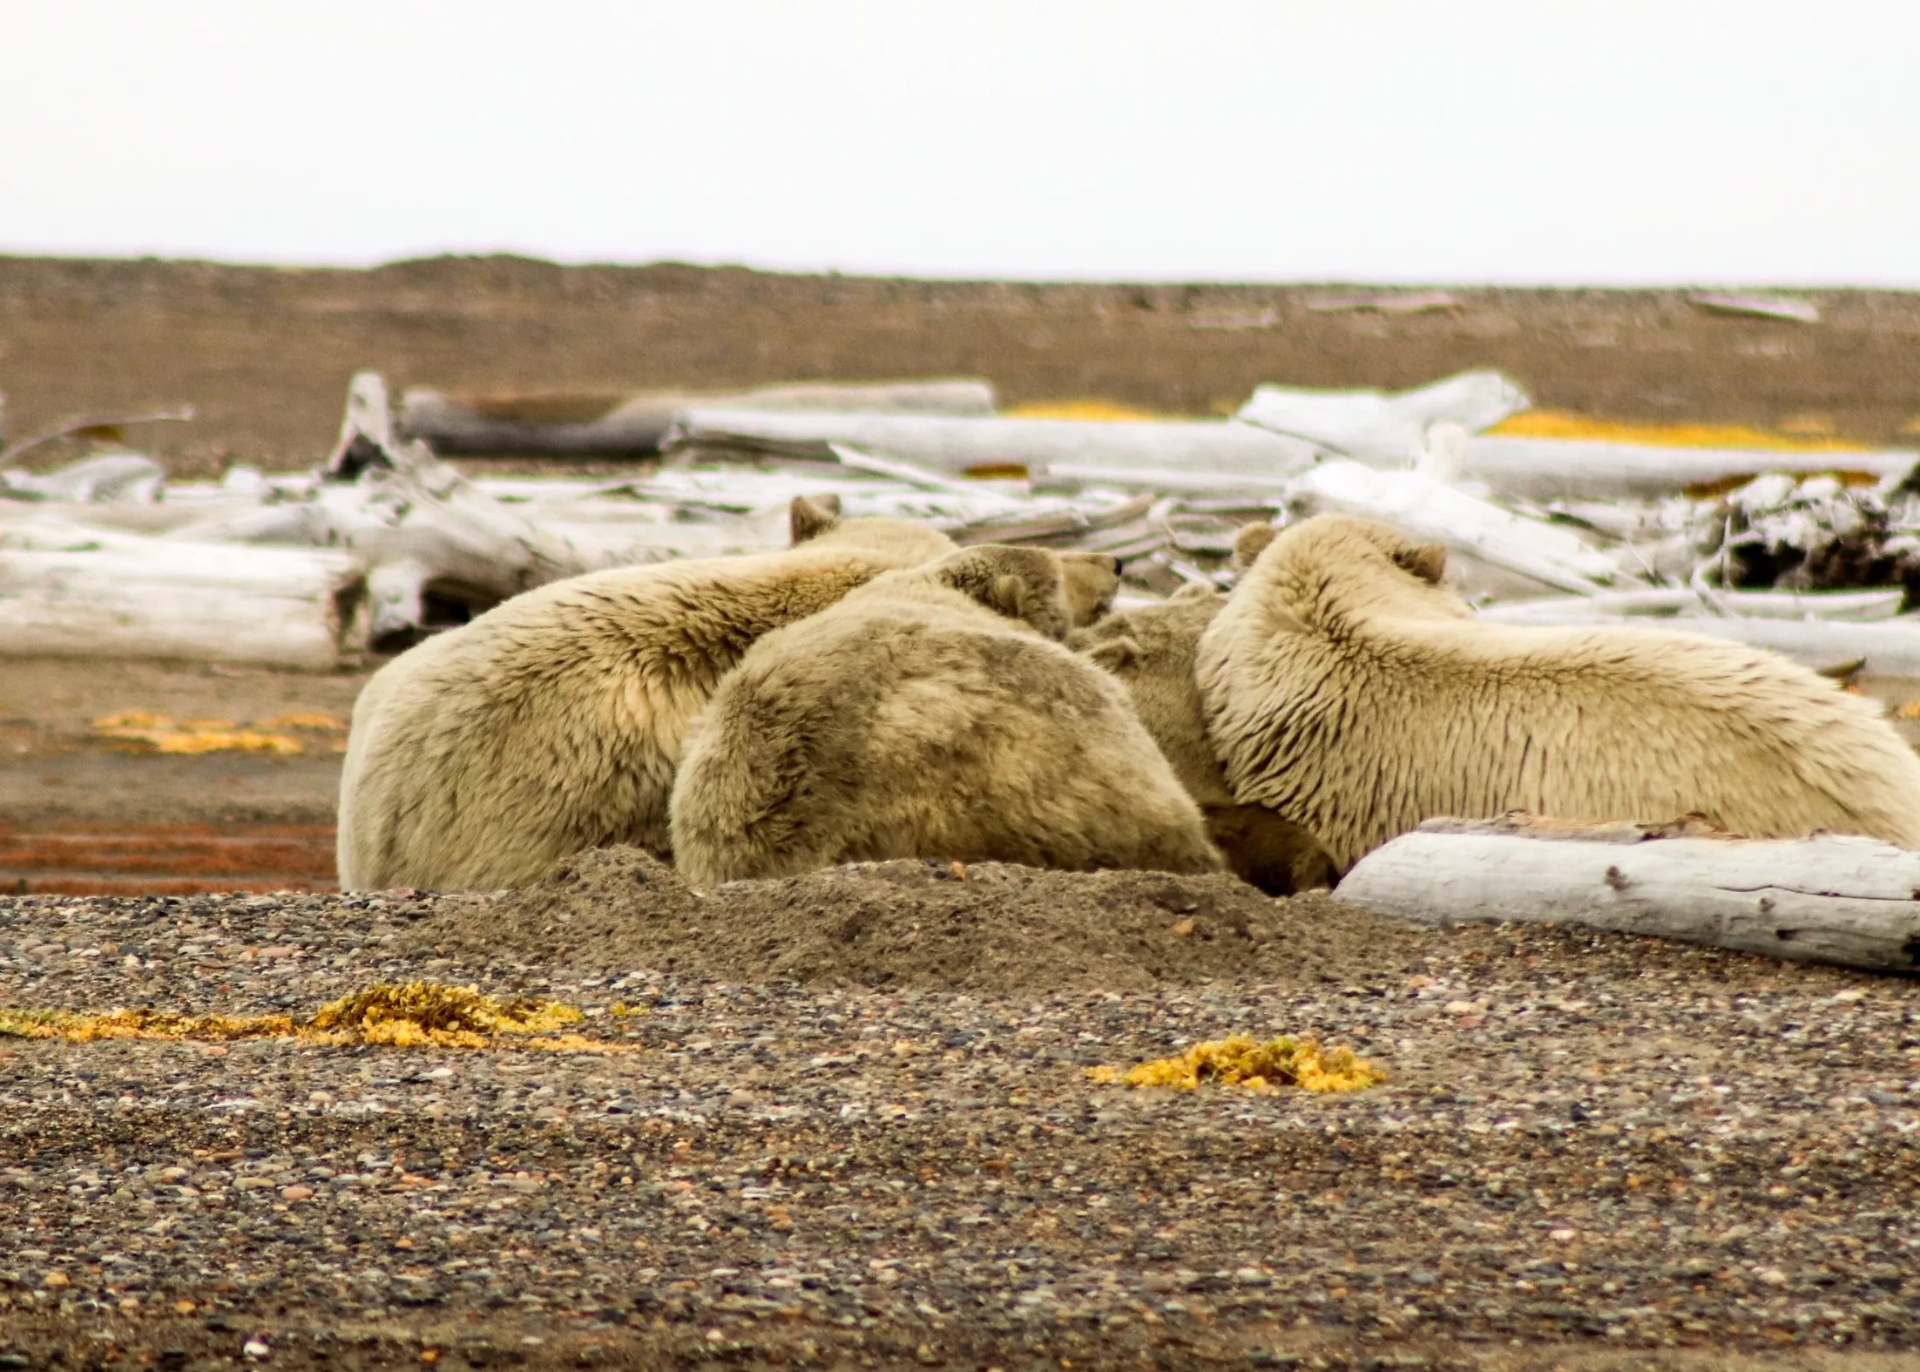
(1683, 603)
(633, 426)
(1756, 306)
(420, 526)
(1429, 508)
(957, 446)
(108, 426)
(1887, 647)
(73, 592)
(1556, 468)
(1379, 428)
(1825, 899)
(110, 478)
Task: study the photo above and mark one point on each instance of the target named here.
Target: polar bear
(1152, 649)
(553, 722)
(1345, 689)
(930, 713)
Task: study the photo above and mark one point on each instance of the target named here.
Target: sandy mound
(985, 928)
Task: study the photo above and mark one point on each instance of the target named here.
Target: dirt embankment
(1590, 1152)
(987, 928)
(265, 353)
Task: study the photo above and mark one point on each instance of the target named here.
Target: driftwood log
(1429, 508)
(422, 529)
(87, 593)
(1684, 603)
(1887, 647)
(1553, 468)
(1379, 428)
(100, 426)
(634, 425)
(959, 446)
(1853, 901)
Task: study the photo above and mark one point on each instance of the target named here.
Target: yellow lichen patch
(302, 720)
(1106, 410)
(418, 1014)
(141, 1024)
(1260, 1067)
(422, 1013)
(159, 734)
(133, 719)
(1562, 424)
(1909, 709)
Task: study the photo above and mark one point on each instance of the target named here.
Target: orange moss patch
(1252, 1066)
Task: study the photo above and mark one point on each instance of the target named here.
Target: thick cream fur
(553, 723)
(1345, 689)
(1152, 651)
(929, 714)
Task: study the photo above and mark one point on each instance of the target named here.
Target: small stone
(257, 1349)
(1772, 1276)
(296, 1193)
(55, 1280)
(1562, 1235)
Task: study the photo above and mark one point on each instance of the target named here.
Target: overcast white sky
(1729, 141)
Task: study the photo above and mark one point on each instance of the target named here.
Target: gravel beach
(1591, 1152)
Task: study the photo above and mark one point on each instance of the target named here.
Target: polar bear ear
(1020, 583)
(1116, 655)
(1250, 542)
(1428, 561)
(812, 515)
(1092, 580)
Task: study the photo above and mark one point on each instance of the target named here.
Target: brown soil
(108, 858)
(264, 354)
(987, 928)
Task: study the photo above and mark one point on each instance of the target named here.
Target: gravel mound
(989, 928)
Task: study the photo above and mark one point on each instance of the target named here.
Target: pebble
(1640, 1147)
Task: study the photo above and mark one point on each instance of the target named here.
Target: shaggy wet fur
(930, 714)
(1152, 651)
(553, 723)
(1345, 689)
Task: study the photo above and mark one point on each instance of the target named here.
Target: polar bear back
(1347, 691)
(553, 722)
(924, 725)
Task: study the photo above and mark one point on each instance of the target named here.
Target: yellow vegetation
(1080, 409)
(1561, 424)
(301, 720)
(419, 1014)
(1259, 1067)
(160, 734)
